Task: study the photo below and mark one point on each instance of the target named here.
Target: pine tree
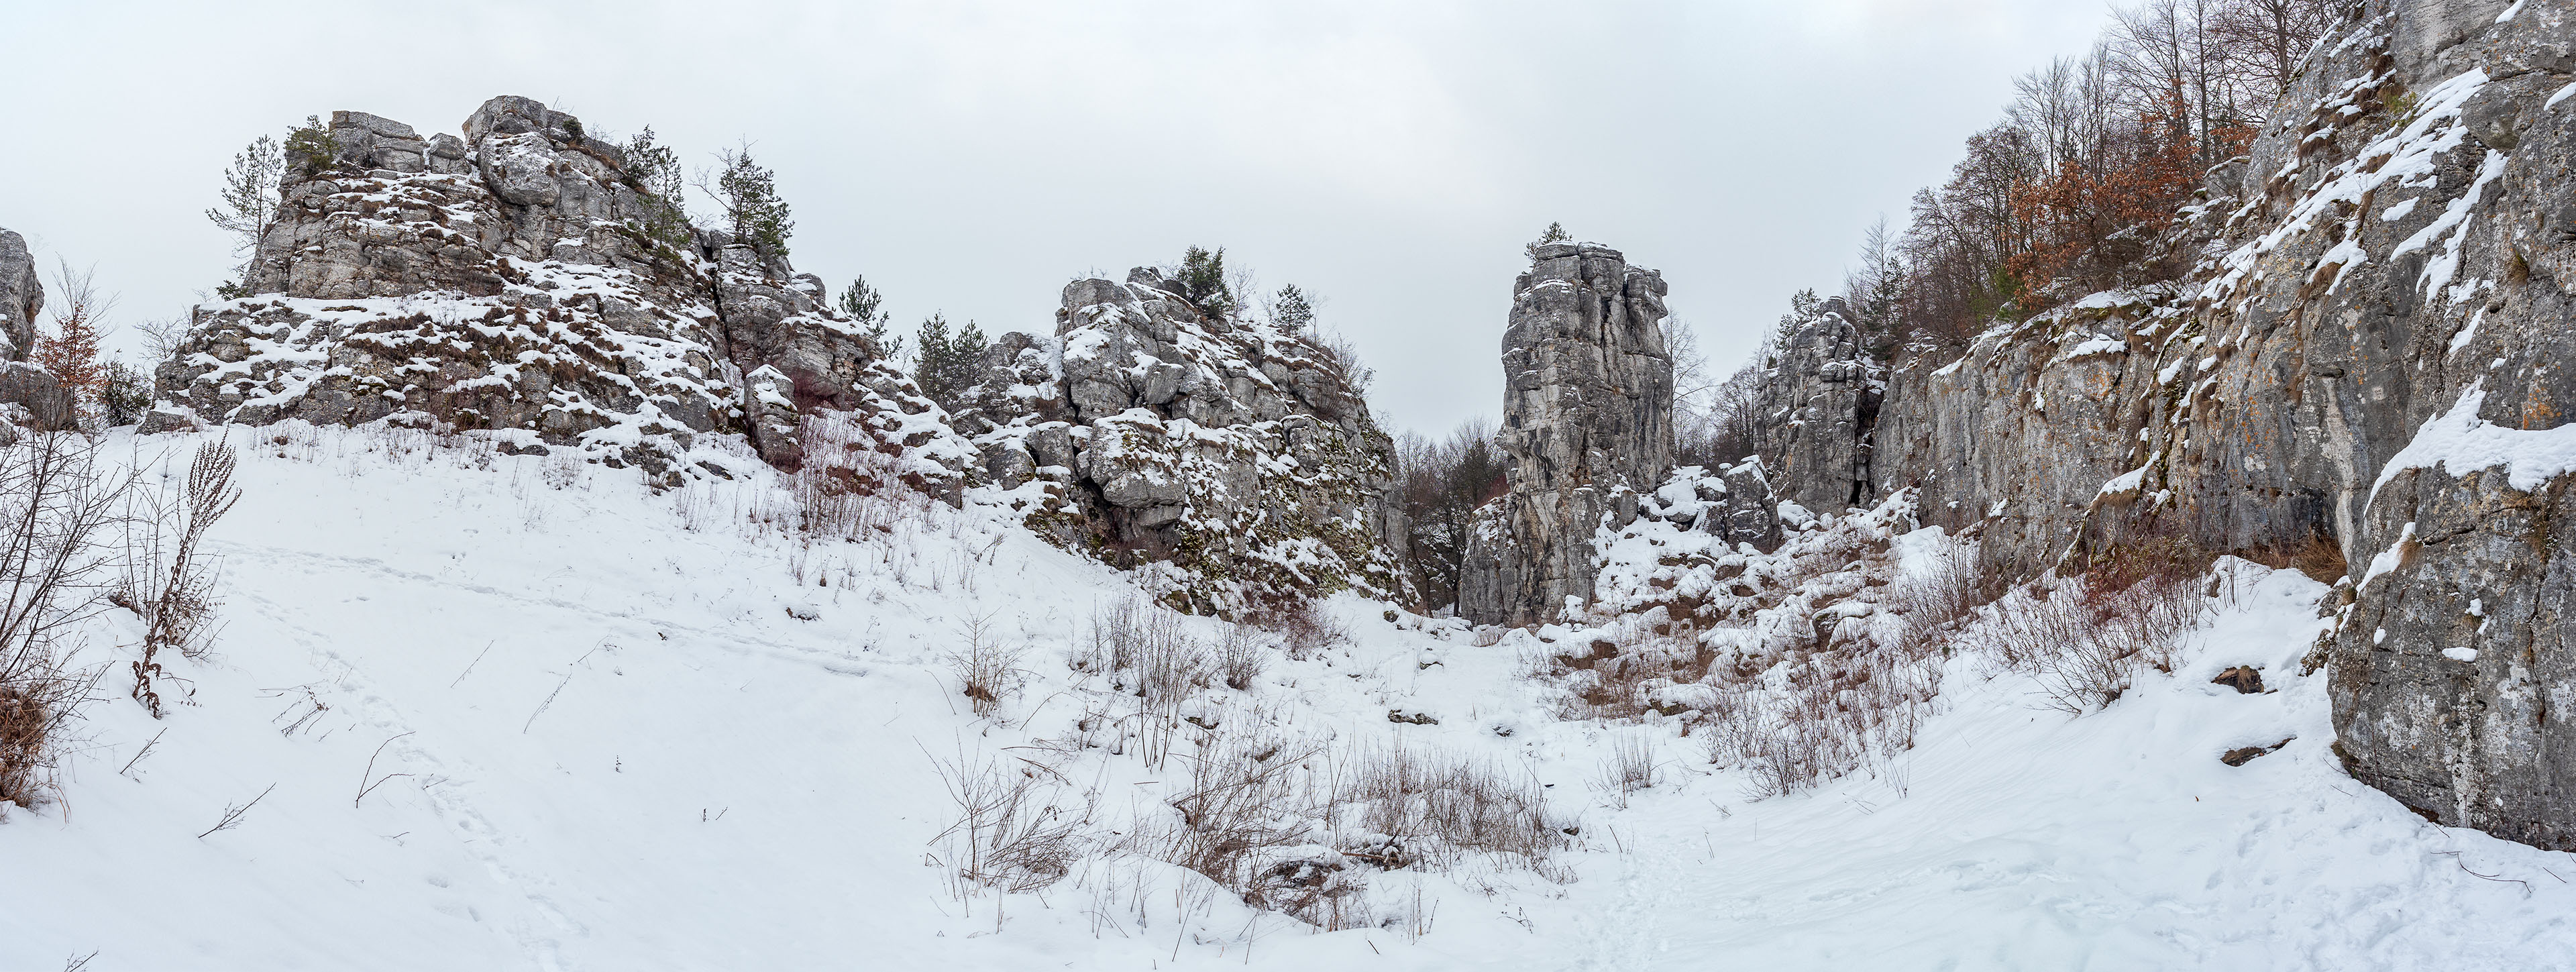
(1291, 311)
(1555, 234)
(967, 353)
(653, 171)
(250, 197)
(753, 209)
(310, 148)
(948, 365)
(1202, 280)
(866, 306)
(124, 393)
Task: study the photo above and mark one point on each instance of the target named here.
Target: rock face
(1820, 403)
(2373, 354)
(1234, 454)
(22, 297)
(516, 281)
(30, 398)
(2021, 435)
(1587, 426)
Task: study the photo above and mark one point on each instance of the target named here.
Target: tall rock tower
(1818, 404)
(1587, 424)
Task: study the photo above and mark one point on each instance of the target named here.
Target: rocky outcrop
(521, 283)
(1819, 403)
(2020, 435)
(1233, 454)
(30, 397)
(1587, 426)
(2372, 354)
(22, 297)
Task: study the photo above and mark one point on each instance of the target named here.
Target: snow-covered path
(624, 750)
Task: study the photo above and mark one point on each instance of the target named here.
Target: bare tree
(2266, 40)
(53, 501)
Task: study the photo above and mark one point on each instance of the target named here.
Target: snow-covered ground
(517, 712)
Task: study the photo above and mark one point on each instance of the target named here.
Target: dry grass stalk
(1021, 825)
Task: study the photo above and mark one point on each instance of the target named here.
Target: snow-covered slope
(521, 712)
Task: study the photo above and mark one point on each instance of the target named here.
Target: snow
(2459, 442)
(2561, 94)
(644, 730)
(2460, 654)
(2131, 481)
(2468, 331)
(2403, 157)
(2094, 346)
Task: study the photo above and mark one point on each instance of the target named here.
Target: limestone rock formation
(1230, 452)
(2373, 353)
(1820, 403)
(30, 398)
(22, 297)
(517, 282)
(1587, 426)
(2020, 434)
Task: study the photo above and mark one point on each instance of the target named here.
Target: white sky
(970, 157)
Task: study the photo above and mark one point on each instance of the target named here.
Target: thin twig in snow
(233, 814)
(469, 666)
(140, 753)
(365, 787)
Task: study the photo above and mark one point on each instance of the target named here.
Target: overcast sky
(969, 158)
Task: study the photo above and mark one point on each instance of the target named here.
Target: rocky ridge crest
(510, 283)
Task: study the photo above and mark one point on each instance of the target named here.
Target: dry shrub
(1239, 807)
(986, 669)
(53, 501)
(1405, 805)
(1171, 664)
(1302, 624)
(1944, 594)
(1629, 768)
(1021, 825)
(1853, 693)
(851, 485)
(34, 705)
(1240, 656)
(1295, 827)
(2086, 638)
(1147, 651)
(2316, 555)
